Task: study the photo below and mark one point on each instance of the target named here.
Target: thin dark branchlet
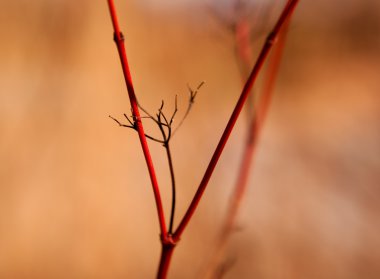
(132, 125)
(192, 95)
(161, 119)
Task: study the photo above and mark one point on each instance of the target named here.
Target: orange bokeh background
(75, 197)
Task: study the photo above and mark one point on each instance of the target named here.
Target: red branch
(119, 40)
(271, 39)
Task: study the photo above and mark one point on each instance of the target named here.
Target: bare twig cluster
(165, 125)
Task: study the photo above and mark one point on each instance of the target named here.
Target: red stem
(290, 6)
(119, 40)
(166, 255)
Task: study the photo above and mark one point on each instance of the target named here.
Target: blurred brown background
(75, 198)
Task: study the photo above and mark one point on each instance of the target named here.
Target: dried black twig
(132, 125)
(192, 95)
(165, 125)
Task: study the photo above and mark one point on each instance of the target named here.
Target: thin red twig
(119, 40)
(271, 39)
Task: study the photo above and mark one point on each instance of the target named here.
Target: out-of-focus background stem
(75, 200)
(218, 265)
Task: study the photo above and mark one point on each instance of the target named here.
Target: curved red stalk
(119, 40)
(289, 8)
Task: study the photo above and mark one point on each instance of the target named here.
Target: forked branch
(168, 238)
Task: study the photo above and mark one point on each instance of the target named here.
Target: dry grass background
(75, 199)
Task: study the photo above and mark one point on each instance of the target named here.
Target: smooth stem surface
(119, 40)
(174, 194)
(166, 255)
(231, 123)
